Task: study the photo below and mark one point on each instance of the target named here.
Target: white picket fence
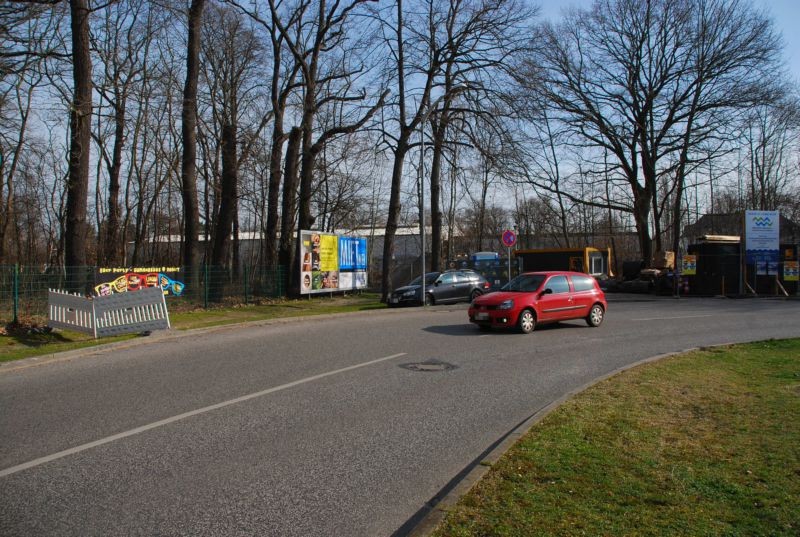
(100, 316)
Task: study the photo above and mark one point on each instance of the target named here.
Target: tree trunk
(112, 249)
(275, 157)
(79, 151)
(227, 210)
(191, 210)
(393, 216)
(641, 214)
(305, 218)
(286, 251)
(439, 129)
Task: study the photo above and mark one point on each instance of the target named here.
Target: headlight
(409, 293)
(506, 305)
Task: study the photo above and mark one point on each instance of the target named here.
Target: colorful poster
(762, 236)
(790, 271)
(125, 279)
(689, 265)
(352, 253)
(329, 263)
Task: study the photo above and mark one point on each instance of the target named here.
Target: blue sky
(785, 13)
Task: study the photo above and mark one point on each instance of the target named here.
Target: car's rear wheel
(595, 317)
(526, 322)
(475, 294)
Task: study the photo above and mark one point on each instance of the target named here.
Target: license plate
(393, 301)
(481, 316)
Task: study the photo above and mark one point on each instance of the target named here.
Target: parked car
(535, 298)
(441, 288)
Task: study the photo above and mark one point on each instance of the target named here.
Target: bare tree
(191, 212)
(648, 81)
(770, 135)
(121, 42)
(422, 65)
(480, 43)
(231, 59)
(76, 231)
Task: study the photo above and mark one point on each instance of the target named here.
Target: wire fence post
(15, 291)
(205, 286)
(246, 283)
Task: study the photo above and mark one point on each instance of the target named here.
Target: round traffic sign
(509, 238)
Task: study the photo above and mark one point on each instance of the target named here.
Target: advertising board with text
(331, 262)
(762, 238)
(112, 280)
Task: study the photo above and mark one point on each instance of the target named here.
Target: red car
(538, 298)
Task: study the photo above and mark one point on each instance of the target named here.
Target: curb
(434, 511)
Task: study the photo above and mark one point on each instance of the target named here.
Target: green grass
(705, 444)
(22, 342)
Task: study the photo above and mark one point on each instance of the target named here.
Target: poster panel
(319, 258)
(762, 236)
(689, 265)
(790, 271)
(352, 253)
(330, 262)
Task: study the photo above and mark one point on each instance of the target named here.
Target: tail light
(486, 285)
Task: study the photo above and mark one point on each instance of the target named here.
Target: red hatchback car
(538, 298)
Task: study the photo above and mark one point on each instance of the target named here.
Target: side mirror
(436, 283)
(547, 291)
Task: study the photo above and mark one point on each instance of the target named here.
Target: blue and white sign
(762, 236)
(352, 253)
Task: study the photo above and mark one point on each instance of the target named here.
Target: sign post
(509, 239)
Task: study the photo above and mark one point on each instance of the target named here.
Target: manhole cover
(430, 366)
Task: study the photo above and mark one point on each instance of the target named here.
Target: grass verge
(29, 340)
(707, 443)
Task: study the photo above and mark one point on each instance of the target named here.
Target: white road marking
(173, 419)
(676, 317)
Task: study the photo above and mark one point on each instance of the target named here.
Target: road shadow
(464, 329)
(468, 329)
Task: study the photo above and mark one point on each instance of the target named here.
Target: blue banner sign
(352, 253)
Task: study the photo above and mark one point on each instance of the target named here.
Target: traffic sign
(509, 238)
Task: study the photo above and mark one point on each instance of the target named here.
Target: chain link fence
(23, 289)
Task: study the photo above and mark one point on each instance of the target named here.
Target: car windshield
(524, 283)
(429, 279)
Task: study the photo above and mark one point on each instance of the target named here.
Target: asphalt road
(314, 427)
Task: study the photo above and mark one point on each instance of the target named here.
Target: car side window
(448, 278)
(583, 283)
(558, 284)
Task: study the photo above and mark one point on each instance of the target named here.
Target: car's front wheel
(429, 299)
(595, 317)
(526, 322)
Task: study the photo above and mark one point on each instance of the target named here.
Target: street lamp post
(422, 200)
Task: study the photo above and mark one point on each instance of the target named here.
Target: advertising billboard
(112, 280)
(689, 265)
(330, 262)
(790, 271)
(762, 238)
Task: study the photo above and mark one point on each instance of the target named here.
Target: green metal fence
(23, 289)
